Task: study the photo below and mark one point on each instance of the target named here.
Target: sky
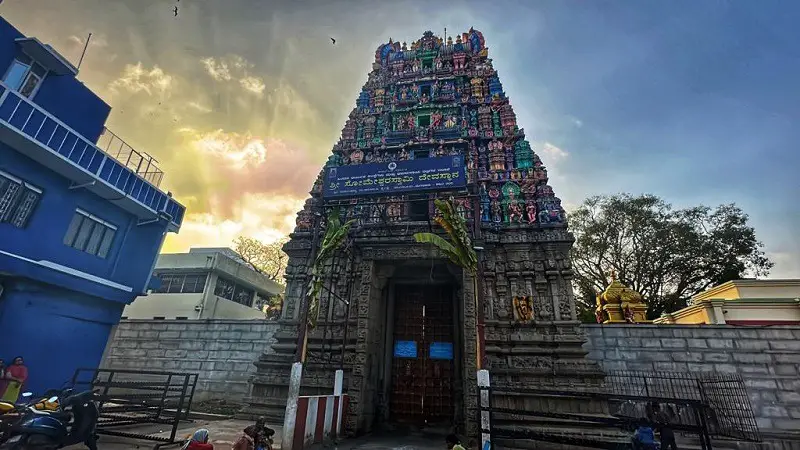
(241, 101)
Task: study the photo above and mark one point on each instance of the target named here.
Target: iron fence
(139, 398)
(706, 405)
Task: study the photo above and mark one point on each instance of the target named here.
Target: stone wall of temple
(221, 352)
(768, 358)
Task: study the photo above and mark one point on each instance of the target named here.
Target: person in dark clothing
(664, 418)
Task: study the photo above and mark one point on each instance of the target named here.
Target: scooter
(12, 413)
(51, 430)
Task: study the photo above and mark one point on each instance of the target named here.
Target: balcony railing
(140, 163)
(68, 150)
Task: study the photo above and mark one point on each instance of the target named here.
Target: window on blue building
(90, 234)
(24, 75)
(18, 199)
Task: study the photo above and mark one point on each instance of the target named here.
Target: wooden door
(423, 366)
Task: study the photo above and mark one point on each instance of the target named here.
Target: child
(199, 441)
(453, 443)
(247, 441)
(644, 438)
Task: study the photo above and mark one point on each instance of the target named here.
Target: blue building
(82, 217)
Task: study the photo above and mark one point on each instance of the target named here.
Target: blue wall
(63, 96)
(133, 251)
(58, 304)
(55, 330)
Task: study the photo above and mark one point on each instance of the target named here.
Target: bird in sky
(334, 41)
(175, 11)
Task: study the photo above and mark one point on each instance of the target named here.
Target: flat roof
(46, 56)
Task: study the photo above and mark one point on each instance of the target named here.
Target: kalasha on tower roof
(441, 97)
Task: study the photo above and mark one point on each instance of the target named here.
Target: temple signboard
(425, 174)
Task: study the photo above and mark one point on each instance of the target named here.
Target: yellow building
(742, 302)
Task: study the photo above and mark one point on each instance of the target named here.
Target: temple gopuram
(432, 121)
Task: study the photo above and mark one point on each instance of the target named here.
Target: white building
(206, 283)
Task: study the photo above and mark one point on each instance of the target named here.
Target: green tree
(458, 249)
(267, 259)
(666, 254)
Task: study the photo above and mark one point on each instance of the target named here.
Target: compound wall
(221, 352)
(768, 358)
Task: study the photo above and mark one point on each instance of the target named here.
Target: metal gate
(422, 375)
(706, 405)
(731, 414)
(152, 401)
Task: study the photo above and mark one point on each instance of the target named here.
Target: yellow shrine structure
(620, 304)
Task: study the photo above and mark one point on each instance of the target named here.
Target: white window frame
(85, 246)
(24, 185)
(28, 73)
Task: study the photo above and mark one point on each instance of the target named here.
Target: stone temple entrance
(441, 101)
(423, 366)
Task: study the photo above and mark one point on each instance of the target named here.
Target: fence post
(290, 417)
(485, 409)
(337, 393)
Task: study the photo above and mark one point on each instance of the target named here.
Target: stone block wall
(221, 352)
(768, 358)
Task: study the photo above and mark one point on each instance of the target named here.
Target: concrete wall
(220, 351)
(169, 306)
(768, 358)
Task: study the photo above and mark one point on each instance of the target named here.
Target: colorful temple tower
(399, 319)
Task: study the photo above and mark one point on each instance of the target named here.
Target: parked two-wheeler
(51, 429)
(12, 413)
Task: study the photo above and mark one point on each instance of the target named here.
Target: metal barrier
(706, 405)
(136, 397)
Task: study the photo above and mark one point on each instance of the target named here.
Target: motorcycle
(50, 429)
(11, 413)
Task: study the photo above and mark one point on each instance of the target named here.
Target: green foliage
(458, 247)
(666, 254)
(268, 259)
(332, 240)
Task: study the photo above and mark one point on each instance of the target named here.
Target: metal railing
(706, 405)
(139, 397)
(141, 163)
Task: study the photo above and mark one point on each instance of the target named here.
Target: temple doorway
(424, 381)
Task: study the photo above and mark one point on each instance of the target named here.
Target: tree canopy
(666, 254)
(268, 259)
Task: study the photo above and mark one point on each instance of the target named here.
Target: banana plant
(459, 250)
(335, 234)
(458, 245)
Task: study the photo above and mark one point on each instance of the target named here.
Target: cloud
(552, 155)
(239, 150)
(261, 216)
(97, 40)
(136, 78)
(199, 107)
(218, 69)
(235, 68)
(787, 264)
(253, 84)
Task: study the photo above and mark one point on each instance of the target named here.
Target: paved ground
(416, 440)
(222, 433)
